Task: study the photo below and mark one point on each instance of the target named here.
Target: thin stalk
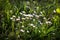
(12, 26)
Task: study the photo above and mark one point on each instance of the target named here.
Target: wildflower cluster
(29, 20)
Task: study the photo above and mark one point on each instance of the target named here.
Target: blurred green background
(29, 19)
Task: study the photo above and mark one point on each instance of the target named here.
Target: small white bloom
(22, 30)
(20, 22)
(11, 11)
(28, 15)
(39, 31)
(12, 19)
(33, 14)
(18, 36)
(37, 7)
(27, 31)
(33, 19)
(23, 18)
(37, 16)
(31, 24)
(13, 16)
(34, 11)
(40, 15)
(44, 18)
(40, 22)
(23, 12)
(28, 2)
(54, 11)
(41, 12)
(34, 26)
(34, 2)
(48, 22)
(22, 25)
(27, 7)
(18, 19)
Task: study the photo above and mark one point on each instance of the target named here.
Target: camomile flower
(41, 12)
(28, 3)
(14, 16)
(33, 19)
(34, 26)
(11, 11)
(23, 12)
(39, 31)
(35, 12)
(18, 19)
(48, 22)
(31, 24)
(18, 36)
(11, 18)
(23, 18)
(54, 11)
(22, 30)
(27, 31)
(44, 18)
(37, 16)
(23, 26)
(28, 15)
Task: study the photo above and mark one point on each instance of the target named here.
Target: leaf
(50, 29)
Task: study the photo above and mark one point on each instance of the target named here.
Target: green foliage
(29, 20)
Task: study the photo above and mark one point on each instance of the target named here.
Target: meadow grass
(29, 20)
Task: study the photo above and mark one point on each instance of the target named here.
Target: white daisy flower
(27, 31)
(18, 19)
(41, 12)
(28, 15)
(54, 11)
(22, 25)
(22, 30)
(13, 16)
(48, 22)
(23, 18)
(34, 26)
(23, 12)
